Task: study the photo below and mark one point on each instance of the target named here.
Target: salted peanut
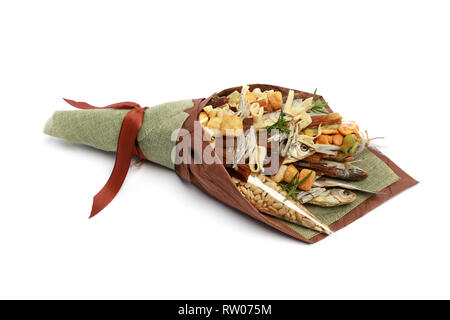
(306, 186)
(231, 126)
(290, 173)
(203, 118)
(251, 96)
(280, 174)
(338, 139)
(215, 123)
(322, 139)
(266, 203)
(275, 99)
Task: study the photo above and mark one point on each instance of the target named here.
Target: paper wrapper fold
(100, 129)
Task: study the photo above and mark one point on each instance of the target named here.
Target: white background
(383, 63)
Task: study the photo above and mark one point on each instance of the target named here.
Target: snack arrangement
(280, 155)
(312, 144)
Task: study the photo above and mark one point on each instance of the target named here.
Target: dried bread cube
(275, 99)
(215, 123)
(203, 118)
(231, 126)
(233, 98)
(306, 186)
(291, 172)
(251, 97)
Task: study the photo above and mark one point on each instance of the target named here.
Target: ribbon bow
(126, 147)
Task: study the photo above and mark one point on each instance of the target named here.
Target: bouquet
(280, 155)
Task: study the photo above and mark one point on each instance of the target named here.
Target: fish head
(302, 150)
(343, 196)
(355, 174)
(298, 151)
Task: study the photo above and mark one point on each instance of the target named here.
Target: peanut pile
(267, 204)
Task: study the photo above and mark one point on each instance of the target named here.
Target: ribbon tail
(80, 105)
(131, 124)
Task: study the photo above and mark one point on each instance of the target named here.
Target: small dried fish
(296, 148)
(284, 147)
(324, 182)
(345, 171)
(278, 137)
(305, 196)
(298, 151)
(327, 149)
(333, 198)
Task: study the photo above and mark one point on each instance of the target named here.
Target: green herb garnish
(319, 107)
(280, 125)
(292, 186)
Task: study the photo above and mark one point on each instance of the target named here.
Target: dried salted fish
(298, 151)
(296, 148)
(306, 196)
(345, 171)
(284, 147)
(326, 148)
(278, 137)
(324, 182)
(334, 197)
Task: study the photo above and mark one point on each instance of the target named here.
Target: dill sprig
(291, 187)
(319, 106)
(280, 125)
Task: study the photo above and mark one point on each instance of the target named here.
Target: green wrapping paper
(100, 129)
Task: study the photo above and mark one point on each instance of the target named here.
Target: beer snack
(257, 148)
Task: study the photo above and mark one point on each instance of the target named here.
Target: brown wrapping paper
(215, 180)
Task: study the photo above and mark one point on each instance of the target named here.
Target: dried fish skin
(324, 182)
(344, 171)
(334, 197)
(306, 196)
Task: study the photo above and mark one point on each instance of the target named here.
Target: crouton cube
(275, 99)
(306, 186)
(290, 173)
(203, 118)
(251, 97)
(215, 123)
(231, 126)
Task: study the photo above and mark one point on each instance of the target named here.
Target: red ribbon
(126, 147)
